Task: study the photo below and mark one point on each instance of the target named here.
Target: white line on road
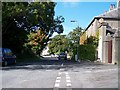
(62, 69)
(57, 85)
(68, 84)
(59, 73)
(68, 81)
(67, 77)
(58, 78)
(57, 81)
(48, 70)
(66, 73)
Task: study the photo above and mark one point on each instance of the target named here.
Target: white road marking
(88, 71)
(68, 84)
(67, 77)
(59, 73)
(48, 70)
(58, 78)
(57, 85)
(62, 69)
(66, 73)
(57, 81)
(68, 81)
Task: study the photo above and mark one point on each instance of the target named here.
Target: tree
(59, 43)
(74, 37)
(36, 40)
(21, 18)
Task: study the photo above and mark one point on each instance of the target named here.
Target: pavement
(55, 74)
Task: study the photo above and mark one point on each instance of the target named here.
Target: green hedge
(86, 52)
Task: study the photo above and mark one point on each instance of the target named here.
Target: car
(63, 56)
(7, 57)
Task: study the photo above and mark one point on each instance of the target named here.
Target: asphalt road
(51, 73)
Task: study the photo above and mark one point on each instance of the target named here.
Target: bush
(86, 52)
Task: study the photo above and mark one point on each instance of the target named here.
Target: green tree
(21, 18)
(36, 40)
(59, 43)
(74, 37)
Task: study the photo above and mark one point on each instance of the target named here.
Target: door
(110, 51)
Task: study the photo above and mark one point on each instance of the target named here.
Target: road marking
(68, 81)
(68, 84)
(58, 78)
(62, 69)
(57, 85)
(57, 81)
(48, 70)
(88, 71)
(25, 80)
(66, 73)
(59, 73)
(67, 77)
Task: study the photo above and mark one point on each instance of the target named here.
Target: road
(51, 73)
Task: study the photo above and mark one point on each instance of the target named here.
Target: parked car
(63, 56)
(7, 57)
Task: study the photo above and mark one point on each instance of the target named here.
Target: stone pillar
(116, 47)
(103, 35)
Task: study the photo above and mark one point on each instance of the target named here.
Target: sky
(82, 12)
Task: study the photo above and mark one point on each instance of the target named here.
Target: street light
(76, 56)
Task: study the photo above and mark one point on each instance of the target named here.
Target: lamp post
(76, 56)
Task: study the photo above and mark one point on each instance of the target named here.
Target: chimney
(118, 3)
(112, 6)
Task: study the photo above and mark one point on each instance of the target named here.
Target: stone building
(107, 24)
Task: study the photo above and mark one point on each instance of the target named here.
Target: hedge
(86, 52)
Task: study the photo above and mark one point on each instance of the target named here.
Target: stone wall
(116, 47)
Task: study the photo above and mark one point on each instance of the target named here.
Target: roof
(110, 15)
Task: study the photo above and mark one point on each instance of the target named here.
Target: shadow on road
(47, 64)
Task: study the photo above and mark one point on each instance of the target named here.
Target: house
(107, 25)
